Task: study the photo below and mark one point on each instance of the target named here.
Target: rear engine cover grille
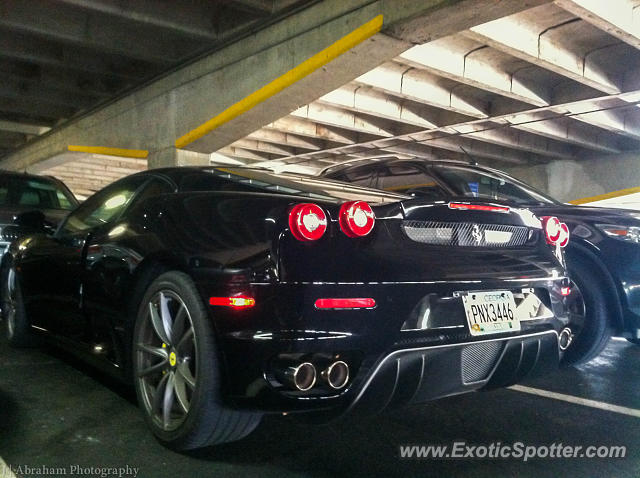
(478, 360)
(466, 234)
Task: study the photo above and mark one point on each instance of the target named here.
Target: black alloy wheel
(176, 369)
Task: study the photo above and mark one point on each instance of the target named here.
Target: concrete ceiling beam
(441, 58)
(621, 20)
(533, 46)
(287, 139)
(247, 154)
(529, 142)
(420, 86)
(623, 121)
(569, 131)
(478, 149)
(357, 98)
(262, 146)
(309, 129)
(337, 117)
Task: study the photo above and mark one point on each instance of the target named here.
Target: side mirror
(32, 220)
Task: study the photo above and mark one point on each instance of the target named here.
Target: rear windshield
(34, 192)
(263, 181)
(480, 184)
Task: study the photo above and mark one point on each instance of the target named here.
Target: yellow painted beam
(125, 153)
(614, 194)
(305, 68)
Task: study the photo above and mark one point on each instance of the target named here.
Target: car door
(114, 250)
(69, 251)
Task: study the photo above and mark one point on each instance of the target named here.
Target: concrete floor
(54, 411)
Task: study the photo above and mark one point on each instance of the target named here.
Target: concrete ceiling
(62, 58)
(558, 81)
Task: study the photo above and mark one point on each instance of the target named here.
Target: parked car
(602, 257)
(223, 294)
(44, 197)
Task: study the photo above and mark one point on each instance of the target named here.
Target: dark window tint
(34, 192)
(4, 192)
(362, 176)
(103, 207)
(63, 200)
(218, 181)
(408, 179)
(480, 184)
(154, 187)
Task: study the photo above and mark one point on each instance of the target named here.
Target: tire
(178, 381)
(17, 326)
(595, 331)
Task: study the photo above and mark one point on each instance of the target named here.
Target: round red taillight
(307, 222)
(552, 229)
(563, 240)
(356, 218)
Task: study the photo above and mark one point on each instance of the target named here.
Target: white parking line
(577, 400)
(5, 471)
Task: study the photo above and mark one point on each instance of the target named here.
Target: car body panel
(618, 262)
(233, 238)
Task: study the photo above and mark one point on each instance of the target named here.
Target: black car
(602, 257)
(223, 294)
(31, 199)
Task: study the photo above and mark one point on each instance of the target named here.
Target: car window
(361, 175)
(480, 184)
(408, 179)
(34, 192)
(215, 182)
(4, 192)
(103, 207)
(63, 200)
(154, 187)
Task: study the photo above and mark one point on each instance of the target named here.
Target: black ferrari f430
(223, 294)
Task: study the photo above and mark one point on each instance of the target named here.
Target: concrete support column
(171, 156)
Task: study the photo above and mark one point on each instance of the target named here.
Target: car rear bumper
(421, 374)
(438, 359)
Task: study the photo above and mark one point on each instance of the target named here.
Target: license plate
(490, 312)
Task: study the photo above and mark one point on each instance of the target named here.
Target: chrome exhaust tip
(336, 375)
(565, 338)
(300, 376)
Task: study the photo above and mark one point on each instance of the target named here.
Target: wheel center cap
(173, 359)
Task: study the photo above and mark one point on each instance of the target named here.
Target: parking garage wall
(569, 180)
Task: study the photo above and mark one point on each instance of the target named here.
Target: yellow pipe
(305, 68)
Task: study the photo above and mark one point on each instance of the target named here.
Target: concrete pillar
(171, 156)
